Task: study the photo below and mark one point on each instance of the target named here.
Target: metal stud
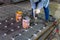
(26, 30)
(12, 23)
(31, 27)
(5, 26)
(43, 27)
(35, 23)
(29, 39)
(0, 23)
(18, 26)
(6, 21)
(19, 34)
(35, 35)
(13, 38)
(12, 30)
(5, 34)
(39, 30)
(11, 18)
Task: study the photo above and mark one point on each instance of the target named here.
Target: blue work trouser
(46, 10)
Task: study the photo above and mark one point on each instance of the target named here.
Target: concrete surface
(57, 15)
(8, 29)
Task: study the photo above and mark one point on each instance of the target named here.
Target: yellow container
(18, 16)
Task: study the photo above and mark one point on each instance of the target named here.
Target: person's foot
(51, 18)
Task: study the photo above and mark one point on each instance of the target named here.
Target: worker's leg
(33, 12)
(33, 6)
(46, 10)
